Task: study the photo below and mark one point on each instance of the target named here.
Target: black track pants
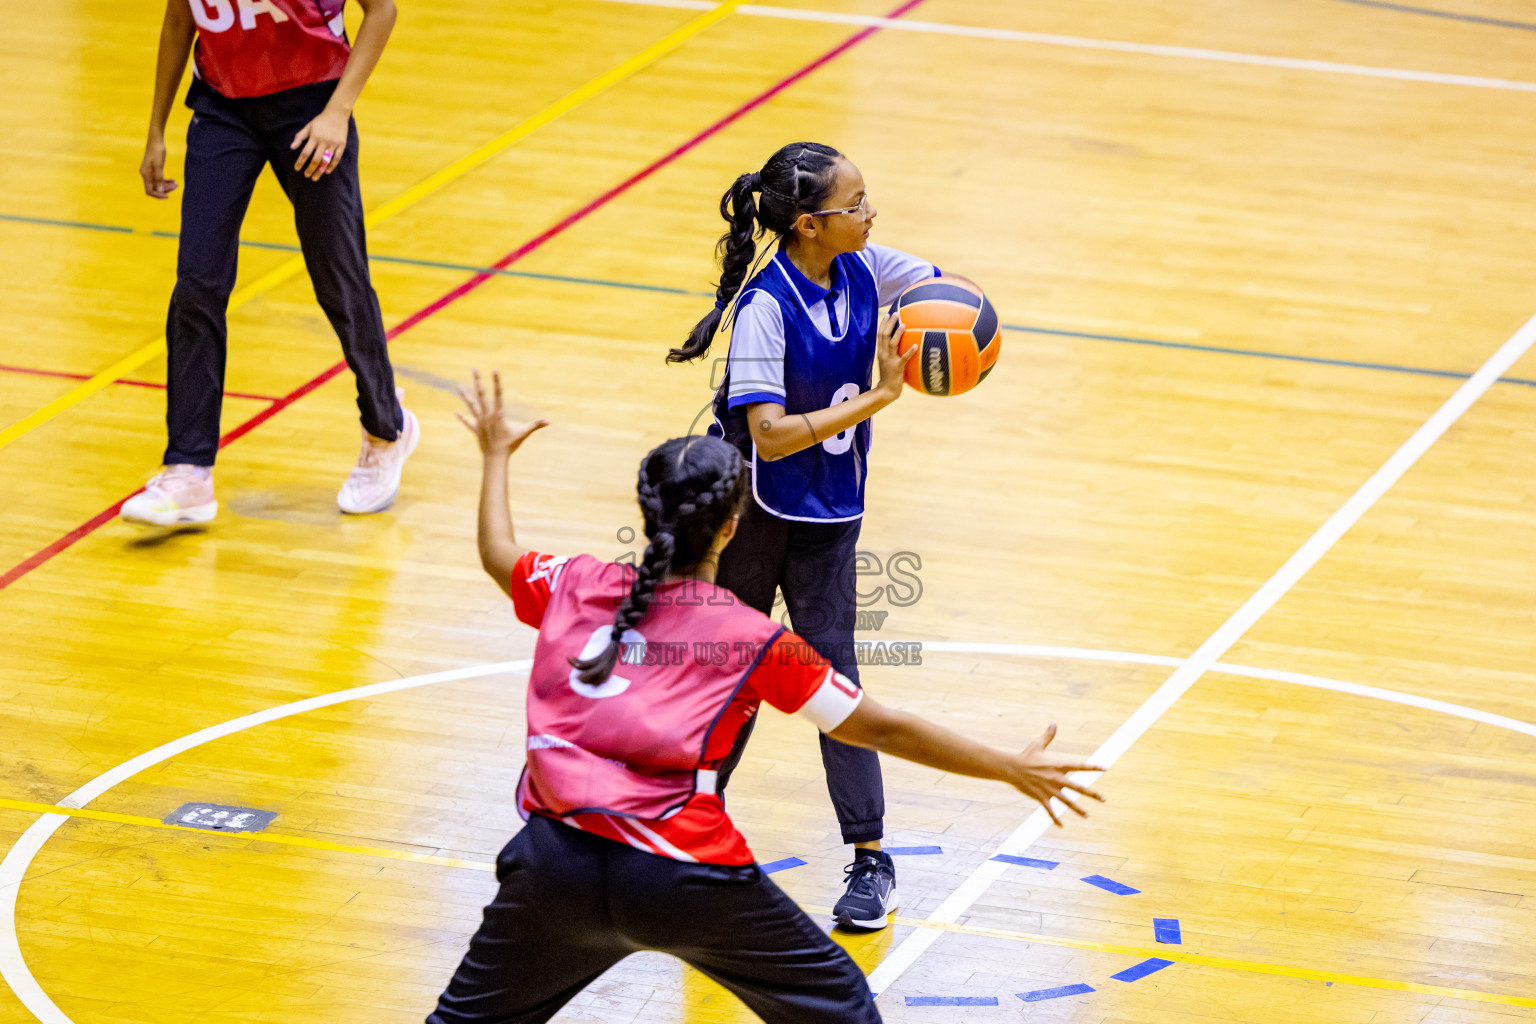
(228, 144)
(571, 905)
(813, 563)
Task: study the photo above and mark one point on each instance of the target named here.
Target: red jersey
(251, 48)
(638, 765)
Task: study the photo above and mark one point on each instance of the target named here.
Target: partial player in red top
(643, 681)
(274, 83)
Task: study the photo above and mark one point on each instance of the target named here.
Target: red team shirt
(701, 831)
(249, 48)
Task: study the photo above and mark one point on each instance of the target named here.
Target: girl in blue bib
(799, 391)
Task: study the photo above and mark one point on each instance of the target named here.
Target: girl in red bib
(273, 83)
(642, 684)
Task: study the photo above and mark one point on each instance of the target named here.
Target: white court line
(1113, 45)
(16, 973)
(13, 966)
(1217, 644)
(1377, 693)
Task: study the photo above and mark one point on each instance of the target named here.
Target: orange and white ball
(955, 330)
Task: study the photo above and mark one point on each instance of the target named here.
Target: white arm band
(833, 701)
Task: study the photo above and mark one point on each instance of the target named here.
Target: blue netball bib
(825, 482)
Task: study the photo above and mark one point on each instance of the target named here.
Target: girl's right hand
(495, 433)
(892, 366)
(152, 170)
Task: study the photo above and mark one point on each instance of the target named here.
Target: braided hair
(689, 487)
(797, 179)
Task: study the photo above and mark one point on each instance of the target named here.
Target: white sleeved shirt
(756, 361)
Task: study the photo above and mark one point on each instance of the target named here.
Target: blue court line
(1476, 19)
(1142, 969)
(1110, 885)
(1166, 931)
(912, 851)
(951, 1000)
(470, 268)
(52, 223)
(1054, 993)
(1261, 354)
(666, 290)
(374, 257)
(1026, 862)
(781, 865)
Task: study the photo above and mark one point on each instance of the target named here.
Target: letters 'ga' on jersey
(248, 48)
(634, 758)
(825, 482)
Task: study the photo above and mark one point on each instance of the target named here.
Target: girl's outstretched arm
(1038, 774)
(498, 439)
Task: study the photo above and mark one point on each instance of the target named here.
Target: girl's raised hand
(892, 366)
(488, 421)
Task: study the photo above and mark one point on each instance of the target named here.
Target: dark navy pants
(813, 564)
(571, 905)
(228, 143)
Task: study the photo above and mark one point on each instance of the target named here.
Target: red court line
(278, 405)
(65, 374)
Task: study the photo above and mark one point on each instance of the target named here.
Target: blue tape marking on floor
(781, 865)
(666, 290)
(1026, 862)
(1110, 885)
(1166, 930)
(1054, 993)
(951, 1000)
(1476, 19)
(1142, 969)
(912, 851)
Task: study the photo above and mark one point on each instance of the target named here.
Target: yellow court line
(1163, 952)
(460, 167)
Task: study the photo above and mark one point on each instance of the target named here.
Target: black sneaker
(871, 891)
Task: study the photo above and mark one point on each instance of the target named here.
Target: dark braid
(797, 179)
(688, 488)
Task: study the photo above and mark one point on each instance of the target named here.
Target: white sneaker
(177, 494)
(375, 480)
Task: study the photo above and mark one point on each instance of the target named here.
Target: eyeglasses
(855, 208)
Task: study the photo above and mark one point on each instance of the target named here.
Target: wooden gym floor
(1245, 250)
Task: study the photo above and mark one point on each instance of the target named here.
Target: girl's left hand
(496, 435)
(324, 140)
(1042, 776)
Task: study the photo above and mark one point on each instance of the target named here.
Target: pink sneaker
(375, 480)
(177, 494)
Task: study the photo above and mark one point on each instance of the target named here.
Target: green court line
(599, 282)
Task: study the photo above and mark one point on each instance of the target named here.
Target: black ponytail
(688, 488)
(795, 180)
